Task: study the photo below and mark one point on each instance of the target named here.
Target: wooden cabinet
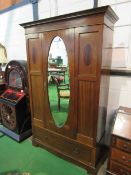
(87, 36)
(120, 154)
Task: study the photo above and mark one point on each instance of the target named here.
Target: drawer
(65, 146)
(121, 157)
(123, 144)
(118, 169)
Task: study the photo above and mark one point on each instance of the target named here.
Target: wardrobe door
(88, 61)
(36, 85)
(67, 38)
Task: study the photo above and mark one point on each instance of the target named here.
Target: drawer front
(66, 146)
(123, 144)
(118, 169)
(121, 157)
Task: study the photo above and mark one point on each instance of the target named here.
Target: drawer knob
(123, 158)
(76, 151)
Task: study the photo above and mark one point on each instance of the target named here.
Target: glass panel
(15, 79)
(58, 81)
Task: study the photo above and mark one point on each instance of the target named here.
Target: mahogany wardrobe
(87, 39)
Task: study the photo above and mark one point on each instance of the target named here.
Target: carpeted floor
(25, 159)
(59, 117)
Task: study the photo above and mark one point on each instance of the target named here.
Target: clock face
(15, 79)
(8, 117)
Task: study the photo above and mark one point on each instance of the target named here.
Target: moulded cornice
(105, 10)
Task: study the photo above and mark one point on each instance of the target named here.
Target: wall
(58, 7)
(122, 32)
(120, 86)
(12, 36)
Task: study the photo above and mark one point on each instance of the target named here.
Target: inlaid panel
(88, 53)
(35, 54)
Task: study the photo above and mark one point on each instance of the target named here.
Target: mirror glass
(58, 81)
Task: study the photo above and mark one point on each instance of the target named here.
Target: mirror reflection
(58, 81)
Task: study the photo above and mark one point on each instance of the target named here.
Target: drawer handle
(46, 137)
(129, 160)
(127, 173)
(76, 151)
(124, 159)
(125, 146)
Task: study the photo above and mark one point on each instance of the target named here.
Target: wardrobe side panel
(105, 80)
(35, 63)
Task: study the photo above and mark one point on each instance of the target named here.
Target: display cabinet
(82, 40)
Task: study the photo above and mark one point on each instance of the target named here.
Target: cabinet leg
(34, 143)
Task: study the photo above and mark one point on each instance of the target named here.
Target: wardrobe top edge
(99, 10)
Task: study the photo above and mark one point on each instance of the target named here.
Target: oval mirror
(58, 81)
